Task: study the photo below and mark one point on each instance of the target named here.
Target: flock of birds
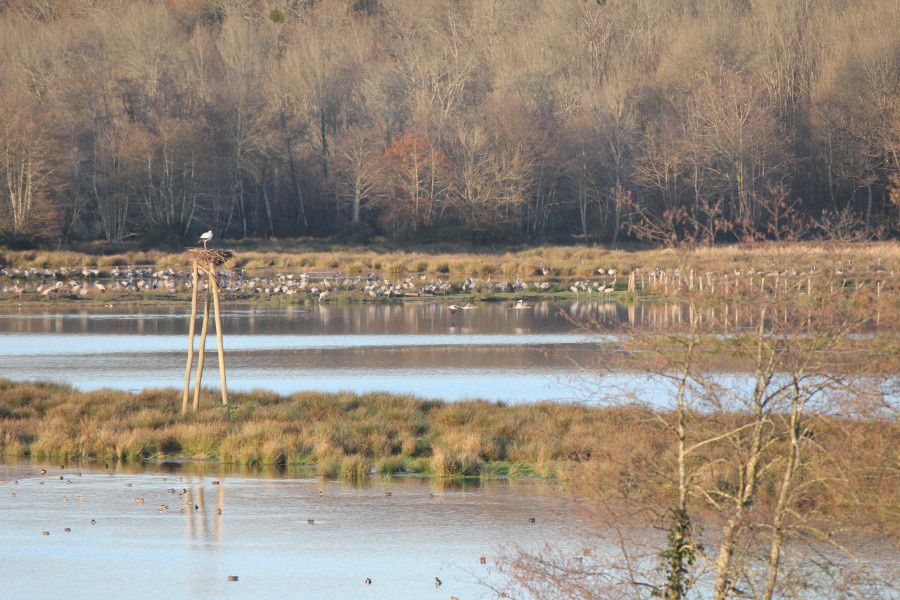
(93, 282)
(322, 285)
(186, 497)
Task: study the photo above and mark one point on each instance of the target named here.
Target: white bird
(206, 237)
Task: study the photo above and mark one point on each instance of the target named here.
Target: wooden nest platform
(206, 256)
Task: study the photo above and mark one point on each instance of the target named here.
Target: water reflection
(401, 533)
(495, 351)
(409, 318)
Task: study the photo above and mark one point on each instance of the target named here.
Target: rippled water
(139, 550)
(494, 351)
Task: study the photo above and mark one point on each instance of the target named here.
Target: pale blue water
(401, 542)
(492, 352)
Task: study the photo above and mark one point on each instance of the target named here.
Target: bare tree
(27, 164)
(491, 182)
(749, 459)
(357, 169)
(670, 122)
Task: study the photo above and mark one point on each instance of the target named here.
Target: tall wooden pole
(190, 358)
(214, 286)
(203, 329)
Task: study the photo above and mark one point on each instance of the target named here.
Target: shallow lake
(494, 351)
(140, 550)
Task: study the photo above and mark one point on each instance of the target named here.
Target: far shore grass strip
(540, 261)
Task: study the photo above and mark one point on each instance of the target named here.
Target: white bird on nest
(206, 237)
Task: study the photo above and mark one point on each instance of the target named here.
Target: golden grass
(347, 435)
(558, 261)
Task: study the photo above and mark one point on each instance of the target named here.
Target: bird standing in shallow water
(206, 237)
(367, 581)
(437, 582)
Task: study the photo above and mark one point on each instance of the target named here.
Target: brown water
(139, 550)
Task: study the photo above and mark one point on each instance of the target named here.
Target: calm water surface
(493, 352)
(139, 550)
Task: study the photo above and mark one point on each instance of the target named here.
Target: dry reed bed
(346, 435)
(556, 261)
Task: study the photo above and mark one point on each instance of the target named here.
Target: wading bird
(206, 237)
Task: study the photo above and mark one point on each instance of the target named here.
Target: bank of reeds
(450, 264)
(350, 436)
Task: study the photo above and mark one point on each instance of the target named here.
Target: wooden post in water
(203, 329)
(205, 261)
(219, 344)
(191, 327)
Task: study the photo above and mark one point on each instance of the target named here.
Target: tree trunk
(289, 146)
(322, 133)
(266, 203)
(868, 205)
(357, 201)
(793, 461)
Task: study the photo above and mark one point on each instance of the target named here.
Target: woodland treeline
(482, 120)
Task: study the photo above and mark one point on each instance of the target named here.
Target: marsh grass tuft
(345, 435)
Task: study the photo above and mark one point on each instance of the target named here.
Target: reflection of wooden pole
(219, 344)
(190, 359)
(220, 503)
(201, 502)
(203, 329)
(189, 511)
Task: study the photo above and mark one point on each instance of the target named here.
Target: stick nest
(208, 256)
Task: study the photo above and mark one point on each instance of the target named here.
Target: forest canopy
(670, 121)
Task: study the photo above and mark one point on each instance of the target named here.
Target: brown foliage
(542, 119)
